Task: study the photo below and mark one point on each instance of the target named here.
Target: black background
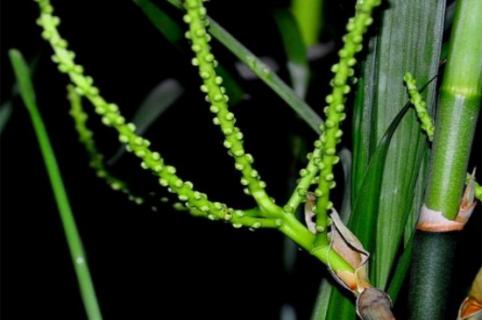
(146, 264)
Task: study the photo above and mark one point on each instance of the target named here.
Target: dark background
(146, 264)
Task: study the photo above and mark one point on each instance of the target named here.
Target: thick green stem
(433, 255)
(297, 232)
(459, 106)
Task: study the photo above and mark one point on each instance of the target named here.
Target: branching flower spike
(215, 95)
(197, 202)
(111, 117)
(335, 111)
(96, 158)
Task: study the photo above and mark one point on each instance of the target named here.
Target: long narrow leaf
(5, 113)
(409, 40)
(74, 242)
(6, 108)
(364, 217)
(365, 211)
(162, 21)
(295, 49)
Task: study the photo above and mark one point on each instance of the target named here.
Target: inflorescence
(111, 117)
(335, 111)
(268, 214)
(420, 105)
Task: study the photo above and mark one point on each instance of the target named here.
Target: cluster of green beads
(216, 95)
(335, 111)
(197, 202)
(420, 105)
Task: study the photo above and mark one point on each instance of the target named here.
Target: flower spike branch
(324, 157)
(215, 95)
(308, 177)
(330, 137)
(420, 105)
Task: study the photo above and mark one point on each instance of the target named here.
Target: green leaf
(263, 72)
(5, 113)
(22, 74)
(79, 260)
(363, 220)
(404, 261)
(320, 309)
(403, 266)
(162, 21)
(295, 49)
(366, 207)
(159, 99)
(310, 16)
(6, 108)
(346, 162)
(156, 103)
(410, 39)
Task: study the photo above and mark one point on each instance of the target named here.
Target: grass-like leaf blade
(410, 39)
(89, 298)
(5, 113)
(162, 21)
(295, 49)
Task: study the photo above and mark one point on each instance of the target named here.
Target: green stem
(459, 105)
(68, 222)
(297, 232)
(432, 264)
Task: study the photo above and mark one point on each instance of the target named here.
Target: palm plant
(401, 203)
